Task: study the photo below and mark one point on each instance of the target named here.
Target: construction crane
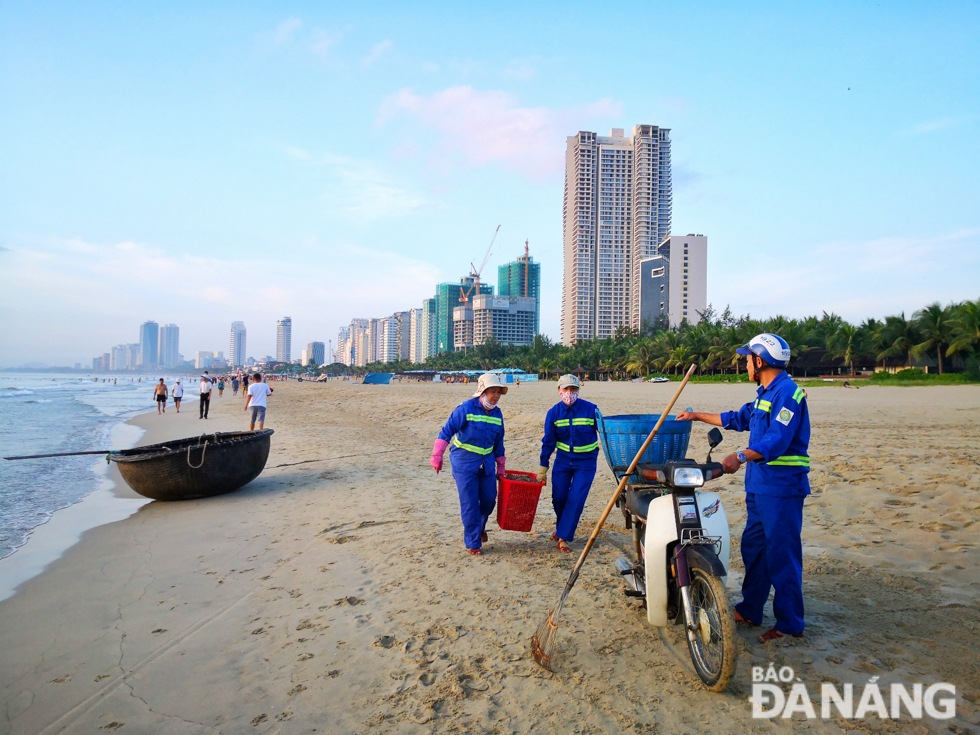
(464, 296)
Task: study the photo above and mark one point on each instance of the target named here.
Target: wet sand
(333, 594)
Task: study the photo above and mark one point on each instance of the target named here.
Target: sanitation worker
(475, 433)
(776, 485)
(569, 428)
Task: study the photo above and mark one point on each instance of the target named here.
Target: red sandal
(563, 547)
(741, 619)
(475, 552)
(774, 635)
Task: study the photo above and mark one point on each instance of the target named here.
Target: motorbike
(681, 548)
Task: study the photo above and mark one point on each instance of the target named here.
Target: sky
(199, 164)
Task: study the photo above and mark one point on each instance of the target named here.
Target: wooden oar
(543, 641)
(62, 454)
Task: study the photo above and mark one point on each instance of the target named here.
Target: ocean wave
(16, 392)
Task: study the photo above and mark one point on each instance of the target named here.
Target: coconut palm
(846, 343)
(966, 329)
(900, 337)
(935, 326)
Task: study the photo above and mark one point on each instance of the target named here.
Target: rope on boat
(203, 450)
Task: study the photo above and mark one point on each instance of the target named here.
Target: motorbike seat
(638, 500)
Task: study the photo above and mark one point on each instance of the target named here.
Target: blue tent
(377, 378)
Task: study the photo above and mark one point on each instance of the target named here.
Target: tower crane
(464, 296)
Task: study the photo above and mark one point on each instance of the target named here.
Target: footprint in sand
(259, 719)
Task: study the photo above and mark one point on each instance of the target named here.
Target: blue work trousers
(477, 498)
(772, 551)
(570, 485)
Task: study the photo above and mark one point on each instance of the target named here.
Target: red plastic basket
(517, 500)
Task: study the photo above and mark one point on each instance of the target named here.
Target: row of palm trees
(938, 331)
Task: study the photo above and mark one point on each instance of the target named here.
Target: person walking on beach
(476, 432)
(205, 393)
(569, 428)
(776, 484)
(177, 392)
(234, 386)
(160, 392)
(221, 385)
(245, 385)
(258, 392)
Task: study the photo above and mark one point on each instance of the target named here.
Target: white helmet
(488, 380)
(770, 347)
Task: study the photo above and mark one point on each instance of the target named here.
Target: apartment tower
(169, 347)
(284, 339)
(236, 345)
(617, 210)
(149, 344)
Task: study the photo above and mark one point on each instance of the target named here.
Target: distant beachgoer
(160, 392)
(221, 386)
(205, 392)
(177, 392)
(258, 394)
(848, 385)
(234, 386)
(245, 385)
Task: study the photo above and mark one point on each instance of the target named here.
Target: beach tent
(377, 378)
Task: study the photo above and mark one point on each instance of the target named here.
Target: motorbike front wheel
(713, 649)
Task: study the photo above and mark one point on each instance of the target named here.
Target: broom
(543, 642)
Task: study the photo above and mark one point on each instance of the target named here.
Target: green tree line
(941, 332)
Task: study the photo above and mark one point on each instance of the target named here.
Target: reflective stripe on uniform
(484, 419)
(587, 447)
(798, 395)
(563, 422)
(763, 405)
(471, 448)
(562, 446)
(791, 461)
(583, 422)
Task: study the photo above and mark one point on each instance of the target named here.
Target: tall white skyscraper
(617, 209)
(284, 339)
(149, 344)
(169, 352)
(236, 346)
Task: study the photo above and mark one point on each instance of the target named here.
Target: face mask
(568, 397)
(487, 403)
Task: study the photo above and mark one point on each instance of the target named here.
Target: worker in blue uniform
(776, 485)
(475, 435)
(569, 429)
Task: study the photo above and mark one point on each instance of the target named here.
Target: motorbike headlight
(688, 477)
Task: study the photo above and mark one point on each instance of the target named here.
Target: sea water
(42, 413)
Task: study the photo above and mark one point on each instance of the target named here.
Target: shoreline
(333, 578)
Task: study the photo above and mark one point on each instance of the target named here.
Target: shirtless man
(160, 393)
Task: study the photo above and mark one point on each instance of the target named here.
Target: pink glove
(438, 449)
(501, 462)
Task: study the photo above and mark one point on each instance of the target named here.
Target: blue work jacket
(475, 436)
(571, 430)
(778, 423)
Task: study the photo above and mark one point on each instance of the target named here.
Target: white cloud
(483, 127)
(68, 299)
(377, 51)
(286, 30)
(322, 41)
(936, 125)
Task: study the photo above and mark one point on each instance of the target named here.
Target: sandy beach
(333, 594)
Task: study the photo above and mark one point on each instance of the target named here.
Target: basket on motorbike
(623, 435)
(517, 500)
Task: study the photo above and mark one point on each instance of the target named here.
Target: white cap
(488, 380)
(569, 381)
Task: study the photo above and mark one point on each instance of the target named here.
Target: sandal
(741, 619)
(563, 547)
(483, 537)
(774, 635)
(475, 552)
(554, 537)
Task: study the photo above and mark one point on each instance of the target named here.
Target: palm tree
(846, 343)
(641, 358)
(966, 329)
(934, 324)
(900, 336)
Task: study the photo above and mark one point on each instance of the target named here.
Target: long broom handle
(622, 483)
(61, 454)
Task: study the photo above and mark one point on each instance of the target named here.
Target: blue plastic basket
(622, 437)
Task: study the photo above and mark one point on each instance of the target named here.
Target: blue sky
(199, 165)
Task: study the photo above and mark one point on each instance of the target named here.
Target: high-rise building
(510, 320)
(284, 339)
(236, 344)
(119, 357)
(447, 299)
(428, 329)
(373, 353)
(205, 359)
(618, 200)
(132, 355)
(415, 335)
(149, 344)
(522, 279)
(315, 354)
(169, 352)
(674, 284)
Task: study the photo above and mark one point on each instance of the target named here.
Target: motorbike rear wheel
(714, 649)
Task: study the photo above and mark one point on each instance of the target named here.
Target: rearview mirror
(714, 438)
